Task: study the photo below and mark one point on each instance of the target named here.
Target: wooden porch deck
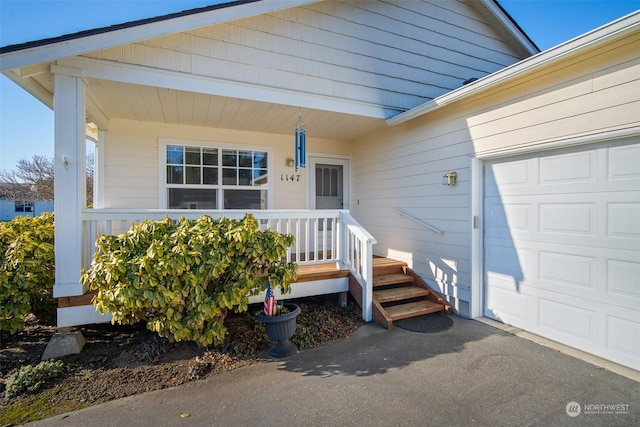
(399, 293)
(306, 273)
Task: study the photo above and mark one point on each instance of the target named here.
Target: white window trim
(162, 167)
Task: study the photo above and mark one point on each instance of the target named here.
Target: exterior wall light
(449, 178)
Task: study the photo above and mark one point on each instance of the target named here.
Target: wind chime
(301, 144)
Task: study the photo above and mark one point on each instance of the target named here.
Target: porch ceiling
(108, 100)
(153, 104)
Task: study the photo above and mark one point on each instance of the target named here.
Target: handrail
(314, 241)
(358, 257)
(417, 221)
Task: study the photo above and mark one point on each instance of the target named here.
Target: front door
(329, 183)
(328, 189)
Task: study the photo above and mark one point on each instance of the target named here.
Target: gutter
(619, 28)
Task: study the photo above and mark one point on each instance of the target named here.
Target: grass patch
(39, 406)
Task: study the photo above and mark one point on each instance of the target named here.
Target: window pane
(24, 207)
(174, 155)
(326, 182)
(229, 176)
(245, 199)
(245, 177)
(192, 198)
(260, 160)
(209, 157)
(192, 155)
(260, 177)
(319, 182)
(210, 176)
(246, 159)
(199, 166)
(193, 175)
(334, 182)
(174, 175)
(229, 158)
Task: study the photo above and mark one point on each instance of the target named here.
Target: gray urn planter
(280, 328)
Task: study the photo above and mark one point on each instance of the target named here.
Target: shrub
(27, 271)
(182, 279)
(30, 378)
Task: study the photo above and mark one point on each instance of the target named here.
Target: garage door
(562, 247)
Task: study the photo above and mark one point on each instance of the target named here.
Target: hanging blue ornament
(300, 149)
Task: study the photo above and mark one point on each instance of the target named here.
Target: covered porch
(333, 252)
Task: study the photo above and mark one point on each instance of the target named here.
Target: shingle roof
(116, 27)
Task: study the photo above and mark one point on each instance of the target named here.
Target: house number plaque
(290, 178)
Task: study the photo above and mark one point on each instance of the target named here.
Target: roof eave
(615, 29)
(511, 26)
(87, 41)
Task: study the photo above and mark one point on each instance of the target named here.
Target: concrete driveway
(470, 374)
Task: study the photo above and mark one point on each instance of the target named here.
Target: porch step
(413, 309)
(391, 279)
(399, 293)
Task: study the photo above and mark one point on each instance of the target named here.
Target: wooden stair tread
(413, 309)
(392, 279)
(401, 293)
(382, 266)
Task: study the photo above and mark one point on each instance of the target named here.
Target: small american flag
(270, 307)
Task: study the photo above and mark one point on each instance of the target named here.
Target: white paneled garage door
(562, 246)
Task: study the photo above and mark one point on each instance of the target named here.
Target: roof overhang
(604, 34)
(496, 14)
(43, 51)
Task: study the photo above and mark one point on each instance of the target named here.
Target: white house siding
(402, 168)
(395, 54)
(131, 160)
(594, 92)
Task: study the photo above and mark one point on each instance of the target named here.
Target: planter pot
(280, 328)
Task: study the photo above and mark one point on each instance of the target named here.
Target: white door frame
(315, 159)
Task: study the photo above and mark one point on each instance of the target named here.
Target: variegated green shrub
(27, 271)
(182, 279)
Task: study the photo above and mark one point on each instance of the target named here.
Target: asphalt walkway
(470, 374)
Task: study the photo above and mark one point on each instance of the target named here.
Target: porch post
(98, 172)
(69, 184)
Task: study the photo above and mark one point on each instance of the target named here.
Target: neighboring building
(196, 110)
(10, 209)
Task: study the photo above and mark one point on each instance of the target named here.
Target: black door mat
(426, 324)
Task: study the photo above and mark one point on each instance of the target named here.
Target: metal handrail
(422, 223)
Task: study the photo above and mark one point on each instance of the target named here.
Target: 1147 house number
(290, 178)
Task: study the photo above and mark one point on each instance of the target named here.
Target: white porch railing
(321, 236)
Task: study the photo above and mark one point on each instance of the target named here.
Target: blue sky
(26, 125)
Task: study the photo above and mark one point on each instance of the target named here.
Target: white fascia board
(619, 28)
(512, 28)
(90, 43)
(81, 315)
(307, 289)
(141, 75)
(38, 92)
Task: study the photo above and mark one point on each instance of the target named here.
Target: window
(24, 207)
(216, 178)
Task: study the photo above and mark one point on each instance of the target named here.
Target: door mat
(427, 324)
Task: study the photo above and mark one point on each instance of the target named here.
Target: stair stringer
(433, 295)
